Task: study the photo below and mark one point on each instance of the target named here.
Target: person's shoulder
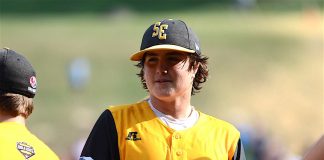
(18, 134)
(39, 146)
(12, 129)
(128, 107)
(218, 123)
(44, 150)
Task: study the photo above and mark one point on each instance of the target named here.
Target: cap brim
(138, 56)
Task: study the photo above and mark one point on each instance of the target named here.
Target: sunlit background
(266, 65)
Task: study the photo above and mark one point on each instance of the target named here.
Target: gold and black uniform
(135, 132)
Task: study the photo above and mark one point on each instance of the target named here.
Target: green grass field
(266, 69)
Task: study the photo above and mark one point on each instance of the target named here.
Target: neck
(7, 118)
(178, 108)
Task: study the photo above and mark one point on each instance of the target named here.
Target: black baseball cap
(168, 34)
(16, 74)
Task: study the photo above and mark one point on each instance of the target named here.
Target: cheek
(185, 77)
(186, 72)
(146, 75)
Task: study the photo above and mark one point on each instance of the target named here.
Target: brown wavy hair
(200, 77)
(16, 104)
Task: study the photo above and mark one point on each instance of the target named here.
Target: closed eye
(175, 59)
(151, 59)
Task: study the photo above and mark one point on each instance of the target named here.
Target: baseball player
(17, 90)
(165, 126)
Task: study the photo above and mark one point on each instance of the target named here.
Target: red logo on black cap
(33, 81)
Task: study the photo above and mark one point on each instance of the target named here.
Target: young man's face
(167, 74)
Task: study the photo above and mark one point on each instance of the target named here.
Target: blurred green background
(266, 64)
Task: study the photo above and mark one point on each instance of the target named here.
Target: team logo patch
(132, 136)
(159, 30)
(26, 150)
(33, 81)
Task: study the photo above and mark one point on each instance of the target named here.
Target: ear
(195, 67)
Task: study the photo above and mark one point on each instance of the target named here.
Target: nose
(162, 68)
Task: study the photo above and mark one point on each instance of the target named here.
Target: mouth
(162, 81)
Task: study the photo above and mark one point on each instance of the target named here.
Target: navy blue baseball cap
(16, 74)
(168, 34)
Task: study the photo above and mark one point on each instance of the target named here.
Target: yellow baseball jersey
(18, 143)
(135, 132)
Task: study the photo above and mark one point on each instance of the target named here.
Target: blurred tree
(102, 6)
(63, 6)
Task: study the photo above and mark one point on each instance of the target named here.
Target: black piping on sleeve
(102, 143)
(239, 152)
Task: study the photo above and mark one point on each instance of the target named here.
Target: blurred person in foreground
(166, 125)
(17, 90)
(316, 152)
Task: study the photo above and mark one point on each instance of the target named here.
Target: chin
(163, 93)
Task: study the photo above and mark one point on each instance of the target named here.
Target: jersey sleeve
(102, 142)
(239, 151)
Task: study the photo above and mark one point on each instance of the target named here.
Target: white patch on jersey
(26, 150)
(85, 158)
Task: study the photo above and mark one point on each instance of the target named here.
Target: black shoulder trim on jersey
(102, 142)
(239, 152)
